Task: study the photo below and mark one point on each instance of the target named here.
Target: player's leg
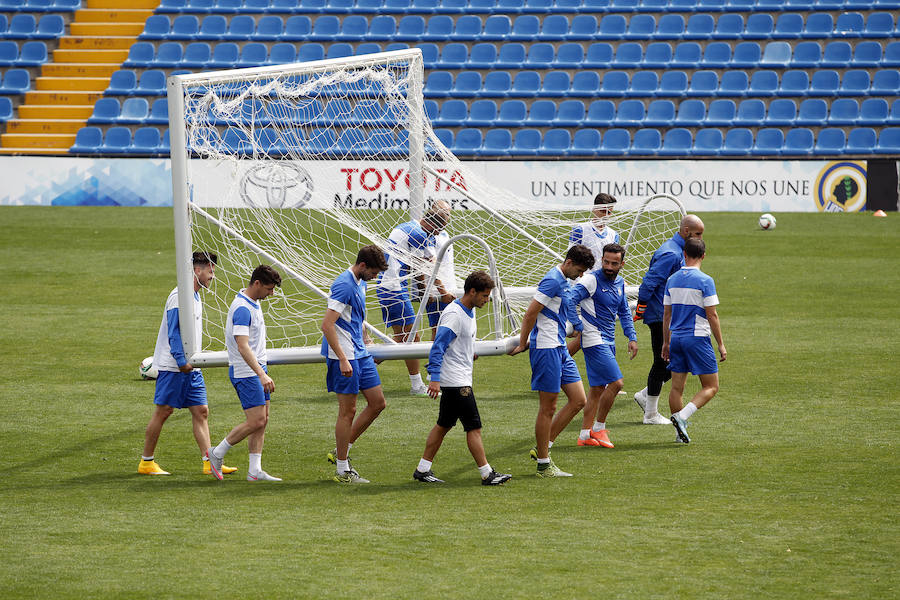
(255, 444)
(148, 465)
(375, 403)
(605, 379)
(570, 383)
(648, 398)
(200, 426)
(676, 395)
(542, 424)
(254, 400)
(709, 387)
(343, 427)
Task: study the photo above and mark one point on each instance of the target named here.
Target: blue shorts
(552, 368)
(249, 389)
(365, 376)
(396, 308)
(433, 309)
(600, 361)
(692, 353)
(180, 390)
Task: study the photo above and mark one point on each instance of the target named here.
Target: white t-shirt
(245, 318)
(453, 350)
(169, 350)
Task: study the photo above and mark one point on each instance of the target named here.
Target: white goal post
(262, 165)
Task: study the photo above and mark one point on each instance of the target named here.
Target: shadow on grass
(92, 444)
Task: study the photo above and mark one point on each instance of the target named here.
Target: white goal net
(298, 166)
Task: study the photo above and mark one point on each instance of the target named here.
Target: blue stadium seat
(247, 6)
(526, 84)
(699, 27)
(776, 55)
(496, 27)
(426, 7)
(793, 83)
(526, 142)
(569, 56)
(763, 83)
(159, 112)
(824, 83)
(381, 141)
(6, 109)
(751, 113)
(830, 142)
(525, 27)
(556, 142)
(343, 7)
(673, 84)
(410, 28)
(106, 110)
(4, 27)
(253, 54)
(721, 113)
(759, 27)
(746, 55)
(241, 27)
(867, 54)
(849, 25)
(585, 142)
(646, 142)
(121, 83)
(537, 6)
(482, 56)
(380, 28)
(156, 27)
(670, 27)
(146, 141)
(370, 112)
(738, 142)
(23, 26)
(283, 53)
(497, 84)
(87, 141)
(614, 84)
(873, 111)
(601, 113)
(570, 113)
(554, 28)
(691, 113)
(630, 113)
(375, 47)
(468, 84)
(837, 54)
(687, 55)
(325, 28)
(812, 111)
(468, 6)
(703, 83)
(844, 111)
(540, 56)
(600, 56)
(583, 27)
(888, 141)
(861, 140)
(660, 113)
(628, 55)
(134, 111)
(676, 142)
(782, 111)
(116, 140)
(716, 55)
(482, 113)
(658, 55)
(430, 54)
(213, 27)
(556, 84)
(879, 24)
(438, 84)
(819, 25)
(165, 144)
(769, 142)
(855, 82)
(32, 54)
(643, 83)
(733, 83)
(196, 55)
(269, 28)
(512, 113)
(235, 141)
(886, 82)
(612, 27)
(729, 27)
(198, 6)
(511, 56)
(297, 28)
(807, 54)
(310, 52)
(185, 27)
(788, 27)
(568, 6)
(168, 55)
(640, 27)
(453, 56)
(140, 55)
(799, 141)
(497, 142)
(354, 28)
(151, 83)
(615, 142)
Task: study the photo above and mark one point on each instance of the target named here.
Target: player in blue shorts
(350, 368)
(245, 341)
(179, 384)
(601, 296)
(552, 368)
(410, 250)
(689, 315)
(450, 365)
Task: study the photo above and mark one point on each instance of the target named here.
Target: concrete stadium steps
(63, 96)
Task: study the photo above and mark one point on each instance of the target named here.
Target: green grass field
(786, 490)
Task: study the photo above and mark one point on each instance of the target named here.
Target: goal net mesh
(301, 166)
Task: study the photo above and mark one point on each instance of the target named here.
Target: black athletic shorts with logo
(458, 403)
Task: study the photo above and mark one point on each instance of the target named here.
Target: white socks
(485, 470)
(416, 380)
(598, 426)
(585, 434)
(688, 411)
(652, 405)
(222, 449)
(255, 463)
(147, 458)
(544, 461)
(343, 466)
(424, 466)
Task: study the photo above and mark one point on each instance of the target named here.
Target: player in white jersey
(450, 366)
(245, 340)
(179, 384)
(447, 276)
(595, 234)
(350, 368)
(689, 316)
(552, 368)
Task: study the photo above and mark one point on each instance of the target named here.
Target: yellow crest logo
(841, 187)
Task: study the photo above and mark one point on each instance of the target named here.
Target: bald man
(665, 262)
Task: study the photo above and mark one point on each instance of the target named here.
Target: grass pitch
(789, 488)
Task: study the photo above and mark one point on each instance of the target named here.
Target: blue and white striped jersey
(168, 354)
(348, 298)
(601, 300)
(406, 239)
(689, 292)
(554, 292)
(587, 235)
(245, 318)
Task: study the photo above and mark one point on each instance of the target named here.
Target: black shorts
(459, 403)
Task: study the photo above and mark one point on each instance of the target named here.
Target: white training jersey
(406, 240)
(453, 350)
(446, 272)
(587, 235)
(245, 318)
(169, 351)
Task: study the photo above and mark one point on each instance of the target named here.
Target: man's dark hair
(478, 281)
(602, 198)
(581, 255)
(372, 256)
(694, 248)
(614, 249)
(266, 275)
(201, 259)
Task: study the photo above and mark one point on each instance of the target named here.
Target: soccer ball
(766, 222)
(148, 369)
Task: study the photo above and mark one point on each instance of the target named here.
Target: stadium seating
(615, 142)
(526, 142)
(861, 140)
(722, 112)
(873, 111)
(134, 110)
(782, 111)
(738, 142)
(660, 113)
(888, 141)
(676, 142)
(6, 109)
(116, 140)
(555, 142)
(511, 56)
(707, 142)
(601, 113)
(146, 141)
(497, 142)
(799, 141)
(769, 142)
(646, 142)
(87, 140)
(830, 142)
(585, 142)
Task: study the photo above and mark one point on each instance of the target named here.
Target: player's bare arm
(243, 344)
(713, 317)
(329, 330)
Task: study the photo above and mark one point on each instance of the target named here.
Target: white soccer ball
(766, 222)
(148, 369)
